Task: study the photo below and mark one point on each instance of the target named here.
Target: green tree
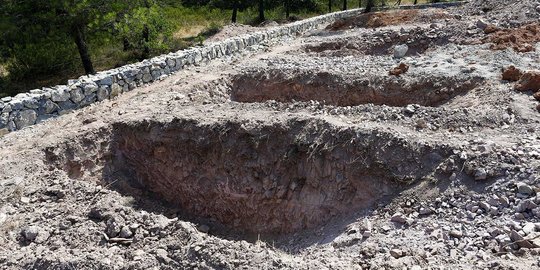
(144, 30)
(33, 23)
(369, 6)
(261, 11)
(235, 11)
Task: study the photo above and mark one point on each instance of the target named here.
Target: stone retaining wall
(38, 105)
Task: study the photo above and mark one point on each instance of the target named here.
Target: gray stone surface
(25, 118)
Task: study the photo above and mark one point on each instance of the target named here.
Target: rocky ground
(408, 143)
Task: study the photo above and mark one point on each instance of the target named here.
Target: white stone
(400, 50)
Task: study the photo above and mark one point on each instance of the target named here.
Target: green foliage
(132, 26)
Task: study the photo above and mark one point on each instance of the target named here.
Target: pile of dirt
(526, 81)
(387, 18)
(511, 74)
(521, 39)
(529, 81)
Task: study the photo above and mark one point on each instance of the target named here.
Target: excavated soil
(304, 153)
(521, 39)
(388, 18)
(264, 179)
(329, 88)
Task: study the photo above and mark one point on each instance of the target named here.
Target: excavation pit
(329, 88)
(418, 40)
(253, 176)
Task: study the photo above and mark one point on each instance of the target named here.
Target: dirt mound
(511, 74)
(387, 18)
(529, 81)
(520, 39)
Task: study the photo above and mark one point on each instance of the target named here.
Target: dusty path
(298, 155)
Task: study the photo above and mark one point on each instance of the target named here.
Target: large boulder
(25, 118)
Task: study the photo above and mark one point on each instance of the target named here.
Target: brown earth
(388, 18)
(529, 81)
(537, 96)
(520, 39)
(402, 68)
(511, 74)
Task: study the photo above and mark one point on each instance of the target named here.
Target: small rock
(399, 218)
(402, 68)
(25, 118)
(396, 253)
(524, 188)
(410, 109)
(528, 228)
(530, 81)
(400, 50)
(480, 174)
(113, 228)
(511, 74)
(519, 240)
(481, 24)
(537, 95)
(456, 234)
(125, 232)
(30, 233)
(203, 228)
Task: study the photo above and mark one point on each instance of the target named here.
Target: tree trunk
(80, 40)
(329, 5)
(146, 36)
(234, 11)
(369, 6)
(261, 11)
(344, 5)
(146, 40)
(359, 3)
(415, 2)
(287, 9)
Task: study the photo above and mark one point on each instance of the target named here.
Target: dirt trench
(419, 40)
(259, 178)
(343, 90)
